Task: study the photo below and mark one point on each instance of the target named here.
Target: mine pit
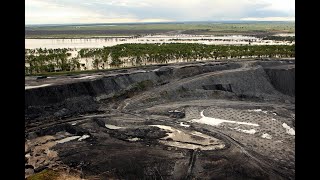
(181, 121)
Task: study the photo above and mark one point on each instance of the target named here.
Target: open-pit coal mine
(231, 119)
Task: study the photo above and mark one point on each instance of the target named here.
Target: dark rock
(41, 168)
(32, 135)
(176, 114)
(41, 77)
(164, 71)
(222, 87)
(100, 122)
(61, 112)
(282, 78)
(28, 166)
(145, 133)
(51, 130)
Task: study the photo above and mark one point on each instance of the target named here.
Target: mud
(203, 120)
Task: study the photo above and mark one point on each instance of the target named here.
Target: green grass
(72, 36)
(211, 26)
(200, 28)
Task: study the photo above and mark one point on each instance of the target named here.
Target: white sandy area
(184, 125)
(266, 136)
(110, 126)
(88, 77)
(134, 139)
(217, 122)
(31, 87)
(289, 130)
(83, 137)
(250, 131)
(258, 110)
(189, 139)
(68, 139)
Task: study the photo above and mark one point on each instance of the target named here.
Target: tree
(96, 64)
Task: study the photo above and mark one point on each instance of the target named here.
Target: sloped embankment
(248, 79)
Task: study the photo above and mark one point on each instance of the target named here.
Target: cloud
(104, 11)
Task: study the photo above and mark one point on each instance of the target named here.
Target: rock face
(283, 78)
(67, 99)
(129, 124)
(112, 84)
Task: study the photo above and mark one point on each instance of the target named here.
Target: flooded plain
(100, 42)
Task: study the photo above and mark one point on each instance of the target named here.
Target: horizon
(171, 22)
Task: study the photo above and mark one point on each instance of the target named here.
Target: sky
(125, 11)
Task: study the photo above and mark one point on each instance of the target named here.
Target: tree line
(50, 60)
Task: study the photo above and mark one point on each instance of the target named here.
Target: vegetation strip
(53, 60)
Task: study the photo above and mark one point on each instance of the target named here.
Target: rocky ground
(203, 120)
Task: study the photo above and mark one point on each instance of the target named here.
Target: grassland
(87, 31)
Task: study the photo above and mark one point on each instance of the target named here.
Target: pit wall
(110, 85)
(69, 99)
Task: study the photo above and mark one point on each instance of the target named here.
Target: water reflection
(111, 41)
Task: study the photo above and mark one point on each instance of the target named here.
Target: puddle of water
(31, 87)
(83, 137)
(289, 130)
(251, 131)
(217, 122)
(151, 39)
(189, 139)
(110, 126)
(266, 136)
(68, 139)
